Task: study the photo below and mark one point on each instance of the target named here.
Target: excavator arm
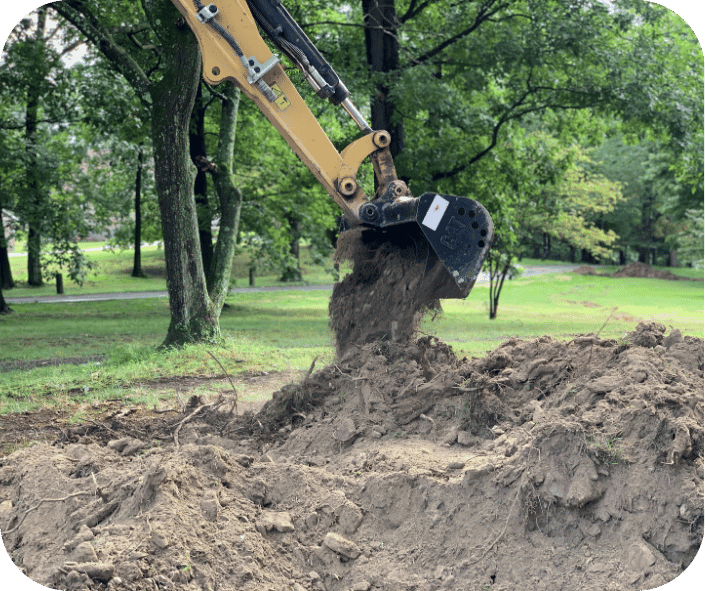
(455, 231)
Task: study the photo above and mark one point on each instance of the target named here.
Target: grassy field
(282, 332)
(114, 268)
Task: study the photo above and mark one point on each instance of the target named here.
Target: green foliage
(691, 240)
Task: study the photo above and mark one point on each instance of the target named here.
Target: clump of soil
(545, 465)
(384, 298)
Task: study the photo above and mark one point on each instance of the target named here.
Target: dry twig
(504, 529)
(310, 369)
(40, 503)
(227, 375)
(188, 418)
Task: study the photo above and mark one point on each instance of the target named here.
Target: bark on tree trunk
(35, 209)
(230, 200)
(381, 24)
(6, 281)
(197, 149)
(4, 308)
(193, 315)
(137, 260)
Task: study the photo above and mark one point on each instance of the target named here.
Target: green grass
(562, 305)
(284, 331)
(114, 268)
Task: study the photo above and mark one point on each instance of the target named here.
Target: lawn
(284, 331)
(114, 267)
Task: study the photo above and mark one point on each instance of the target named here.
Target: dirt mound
(545, 465)
(634, 270)
(588, 270)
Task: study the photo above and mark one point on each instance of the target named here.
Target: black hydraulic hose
(221, 31)
(225, 34)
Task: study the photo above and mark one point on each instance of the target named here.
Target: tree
(4, 307)
(33, 69)
(158, 56)
(690, 241)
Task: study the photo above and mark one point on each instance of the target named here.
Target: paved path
(101, 297)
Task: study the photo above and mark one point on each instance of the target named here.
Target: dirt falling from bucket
(383, 299)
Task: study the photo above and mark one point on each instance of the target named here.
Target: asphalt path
(134, 295)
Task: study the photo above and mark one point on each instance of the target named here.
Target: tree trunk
(622, 257)
(498, 271)
(587, 258)
(59, 283)
(34, 209)
(197, 149)
(381, 24)
(137, 260)
(6, 281)
(193, 315)
(230, 200)
(643, 254)
(4, 308)
(672, 258)
(293, 272)
(546, 246)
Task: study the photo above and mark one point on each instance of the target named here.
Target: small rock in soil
(341, 545)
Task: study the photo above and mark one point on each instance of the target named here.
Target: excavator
(451, 234)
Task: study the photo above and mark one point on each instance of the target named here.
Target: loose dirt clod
(545, 465)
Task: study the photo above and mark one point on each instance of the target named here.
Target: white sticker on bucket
(434, 215)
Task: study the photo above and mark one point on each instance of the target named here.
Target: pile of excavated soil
(545, 465)
(646, 271)
(588, 270)
(634, 270)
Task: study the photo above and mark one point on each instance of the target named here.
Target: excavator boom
(455, 232)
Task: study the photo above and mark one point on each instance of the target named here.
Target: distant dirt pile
(634, 270)
(545, 465)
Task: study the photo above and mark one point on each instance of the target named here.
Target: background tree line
(577, 124)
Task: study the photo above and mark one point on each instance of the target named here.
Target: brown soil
(545, 465)
(635, 270)
(384, 297)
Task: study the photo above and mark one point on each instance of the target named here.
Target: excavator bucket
(459, 232)
(451, 234)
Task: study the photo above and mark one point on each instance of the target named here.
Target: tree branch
(128, 29)
(483, 14)
(413, 10)
(335, 23)
(80, 14)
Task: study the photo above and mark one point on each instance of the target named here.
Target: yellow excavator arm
(458, 230)
(260, 75)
